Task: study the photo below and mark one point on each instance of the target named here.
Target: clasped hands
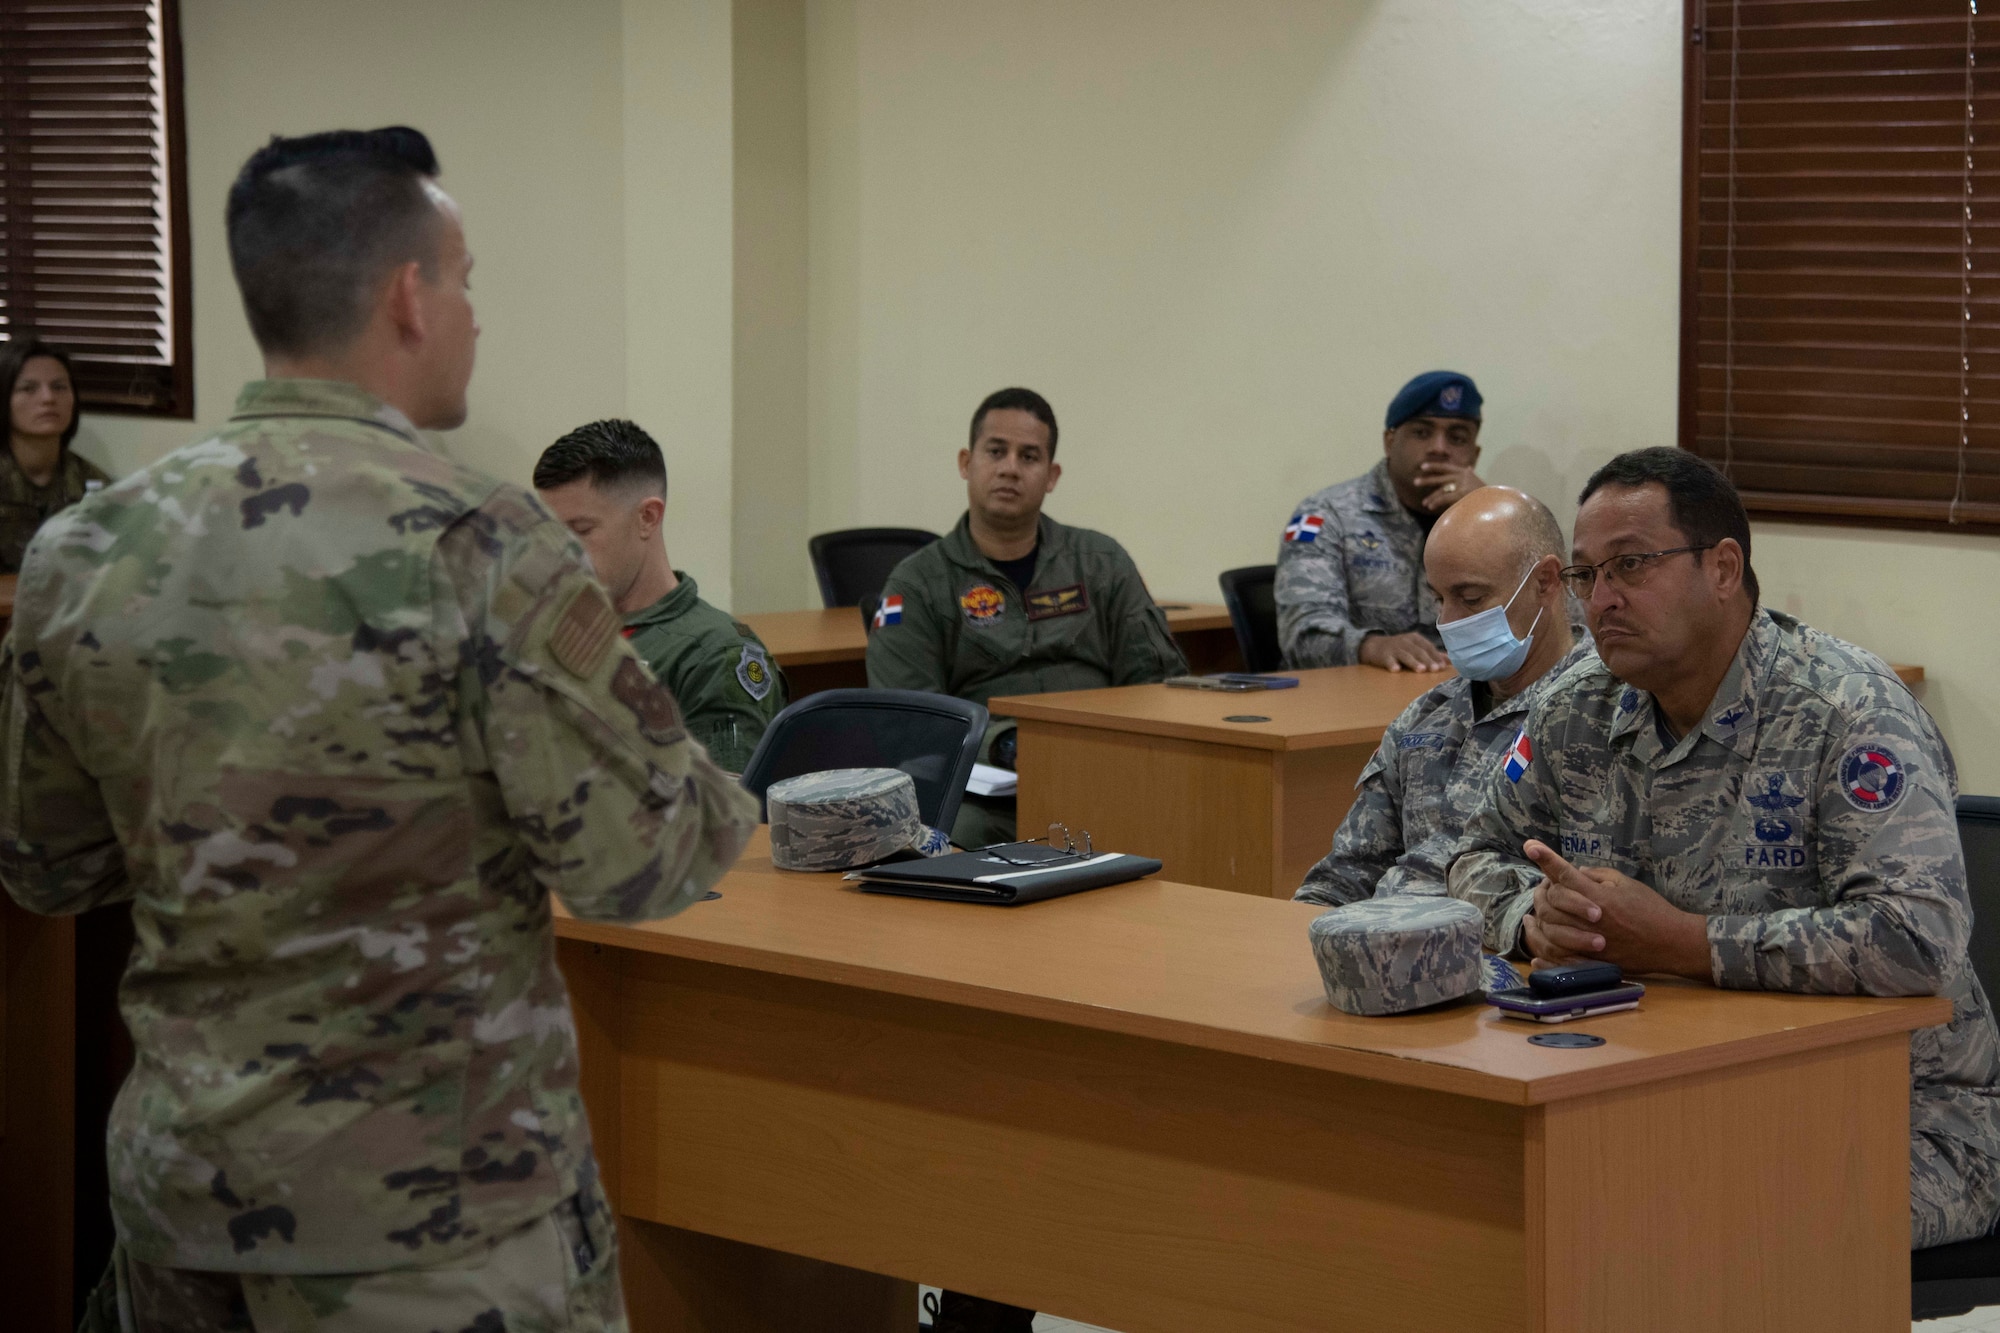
(1584, 914)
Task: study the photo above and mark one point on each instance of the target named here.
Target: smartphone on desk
(1526, 1003)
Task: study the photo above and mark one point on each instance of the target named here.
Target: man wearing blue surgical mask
(1492, 562)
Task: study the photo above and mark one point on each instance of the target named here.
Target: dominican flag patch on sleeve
(1304, 527)
(1519, 756)
(890, 612)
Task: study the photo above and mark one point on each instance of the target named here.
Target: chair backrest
(1253, 614)
(932, 737)
(855, 563)
(1979, 833)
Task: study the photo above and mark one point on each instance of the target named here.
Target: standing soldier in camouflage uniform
(336, 715)
(1734, 797)
(1435, 765)
(608, 482)
(39, 472)
(1351, 561)
(1013, 602)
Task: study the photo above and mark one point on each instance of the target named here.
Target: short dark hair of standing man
(315, 223)
(1016, 400)
(1702, 501)
(612, 454)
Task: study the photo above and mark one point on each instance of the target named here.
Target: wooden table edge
(1403, 1070)
(1027, 708)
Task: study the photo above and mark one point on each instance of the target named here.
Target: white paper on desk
(986, 780)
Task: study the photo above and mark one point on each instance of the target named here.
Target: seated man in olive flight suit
(1013, 602)
(608, 482)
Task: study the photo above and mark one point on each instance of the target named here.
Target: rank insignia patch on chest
(1057, 602)
(753, 672)
(982, 604)
(1304, 528)
(1871, 777)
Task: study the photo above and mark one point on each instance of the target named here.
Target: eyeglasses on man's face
(1620, 571)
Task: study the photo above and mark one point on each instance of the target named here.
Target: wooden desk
(1242, 806)
(7, 583)
(1134, 1107)
(827, 650)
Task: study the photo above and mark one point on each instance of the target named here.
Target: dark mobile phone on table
(1574, 979)
(1527, 1003)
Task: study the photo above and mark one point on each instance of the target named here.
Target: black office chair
(855, 563)
(1952, 1279)
(1253, 614)
(932, 737)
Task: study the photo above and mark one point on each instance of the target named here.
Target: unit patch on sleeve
(982, 604)
(753, 672)
(1871, 778)
(1058, 602)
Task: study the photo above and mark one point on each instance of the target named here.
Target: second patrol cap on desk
(1392, 955)
(845, 818)
(1435, 393)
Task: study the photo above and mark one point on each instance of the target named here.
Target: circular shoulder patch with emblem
(1871, 777)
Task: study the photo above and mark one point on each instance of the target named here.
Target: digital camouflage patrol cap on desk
(845, 818)
(1392, 955)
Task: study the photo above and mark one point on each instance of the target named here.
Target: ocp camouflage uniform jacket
(1350, 564)
(24, 506)
(718, 669)
(336, 715)
(965, 630)
(1811, 818)
(1431, 773)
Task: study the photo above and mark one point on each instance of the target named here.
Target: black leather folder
(983, 877)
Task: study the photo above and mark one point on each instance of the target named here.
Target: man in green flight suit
(608, 482)
(1013, 602)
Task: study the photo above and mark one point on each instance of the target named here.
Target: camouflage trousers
(1952, 1192)
(555, 1275)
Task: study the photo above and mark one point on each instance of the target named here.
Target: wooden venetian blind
(93, 218)
(1840, 305)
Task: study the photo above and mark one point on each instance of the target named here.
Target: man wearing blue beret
(1350, 582)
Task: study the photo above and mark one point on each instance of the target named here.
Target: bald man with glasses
(1734, 797)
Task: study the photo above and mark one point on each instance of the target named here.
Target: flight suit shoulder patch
(1069, 601)
(584, 631)
(753, 672)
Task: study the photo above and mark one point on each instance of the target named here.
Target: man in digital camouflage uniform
(1498, 548)
(336, 715)
(1732, 796)
(1011, 601)
(1350, 585)
(608, 482)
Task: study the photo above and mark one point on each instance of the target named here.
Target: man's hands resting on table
(1597, 914)
(1402, 652)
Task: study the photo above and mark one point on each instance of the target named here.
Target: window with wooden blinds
(1840, 256)
(93, 212)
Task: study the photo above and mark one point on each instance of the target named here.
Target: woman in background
(38, 472)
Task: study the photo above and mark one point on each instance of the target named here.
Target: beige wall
(1220, 236)
(521, 100)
